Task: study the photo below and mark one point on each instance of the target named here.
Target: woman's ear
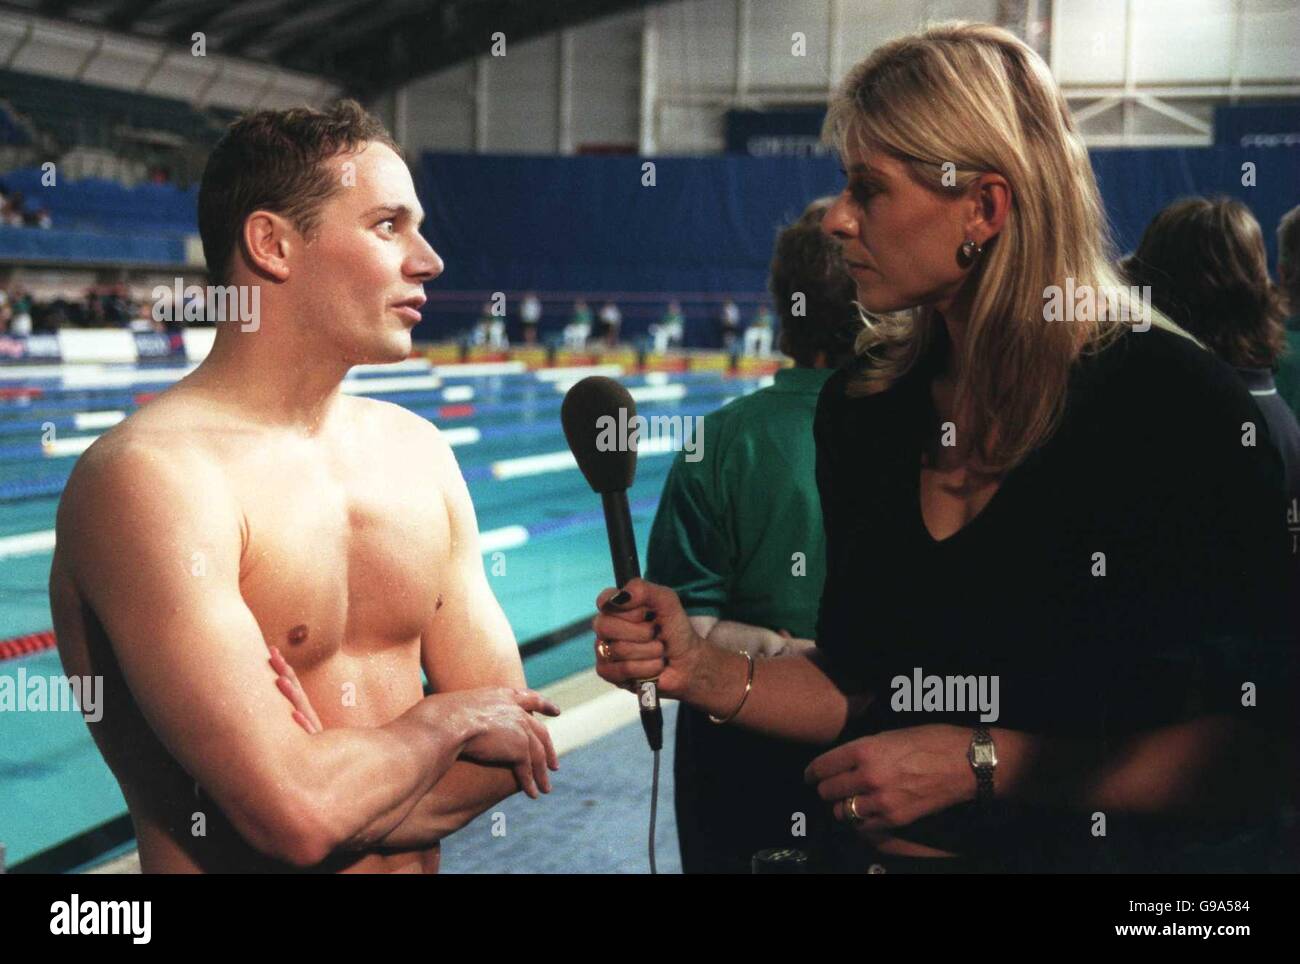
(992, 197)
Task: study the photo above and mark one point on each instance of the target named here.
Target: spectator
(610, 319)
(530, 314)
(714, 543)
(1288, 278)
(21, 323)
(1205, 262)
(578, 330)
(730, 320)
(94, 311)
(491, 328)
(671, 329)
(758, 336)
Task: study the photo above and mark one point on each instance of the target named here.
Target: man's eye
(388, 224)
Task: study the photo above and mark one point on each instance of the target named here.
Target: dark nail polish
(621, 598)
(658, 630)
(649, 615)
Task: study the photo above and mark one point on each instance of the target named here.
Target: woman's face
(898, 237)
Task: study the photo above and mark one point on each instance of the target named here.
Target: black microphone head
(597, 414)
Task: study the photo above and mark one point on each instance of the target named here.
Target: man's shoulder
(158, 456)
(389, 424)
(146, 447)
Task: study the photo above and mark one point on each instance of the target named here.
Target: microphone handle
(622, 551)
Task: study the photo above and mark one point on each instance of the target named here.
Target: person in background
(610, 319)
(730, 324)
(490, 329)
(94, 315)
(578, 330)
(745, 582)
(118, 309)
(530, 316)
(1204, 259)
(1287, 376)
(11, 211)
(671, 328)
(758, 336)
(6, 313)
(21, 323)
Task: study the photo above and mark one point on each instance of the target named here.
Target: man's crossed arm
(192, 655)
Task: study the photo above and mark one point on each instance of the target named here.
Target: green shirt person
(738, 536)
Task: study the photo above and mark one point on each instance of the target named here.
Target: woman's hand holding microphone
(642, 632)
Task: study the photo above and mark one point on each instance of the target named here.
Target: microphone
(596, 411)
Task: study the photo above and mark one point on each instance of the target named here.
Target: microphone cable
(654, 809)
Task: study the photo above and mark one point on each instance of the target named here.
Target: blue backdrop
(574, 226)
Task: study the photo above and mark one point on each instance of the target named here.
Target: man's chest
(343, 555)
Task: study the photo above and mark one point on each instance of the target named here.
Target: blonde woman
(1051, 635)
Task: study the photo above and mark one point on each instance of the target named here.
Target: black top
(1148, 477)
(1281, 420)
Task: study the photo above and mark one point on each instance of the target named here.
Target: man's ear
(267, 239)
(990, 195)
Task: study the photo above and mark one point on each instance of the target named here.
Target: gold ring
(602, 647)
(851, 808)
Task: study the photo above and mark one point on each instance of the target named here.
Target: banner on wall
(154, 344)
(777, 133)
(43, 348)
(1257, 125)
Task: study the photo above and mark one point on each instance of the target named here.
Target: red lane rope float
(455, 411)
(26, 645)
(9, 393)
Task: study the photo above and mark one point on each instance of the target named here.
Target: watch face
(982, 755)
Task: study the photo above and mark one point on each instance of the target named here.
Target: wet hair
(275, 160)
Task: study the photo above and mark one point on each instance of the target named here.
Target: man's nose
(840, 221)
(426, 264)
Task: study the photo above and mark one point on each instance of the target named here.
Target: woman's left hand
(896, 777)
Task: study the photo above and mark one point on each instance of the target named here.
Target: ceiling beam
(252, 27)
(128, 14)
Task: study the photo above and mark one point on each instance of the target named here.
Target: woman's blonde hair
(954, 102)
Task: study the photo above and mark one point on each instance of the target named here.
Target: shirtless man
(255, 505)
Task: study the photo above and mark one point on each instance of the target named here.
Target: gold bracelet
(749, 685)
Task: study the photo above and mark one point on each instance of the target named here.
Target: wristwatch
(983, 759)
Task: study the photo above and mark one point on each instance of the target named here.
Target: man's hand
(646, 634)
(286, 680)
(897, 777)
(508, 735)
